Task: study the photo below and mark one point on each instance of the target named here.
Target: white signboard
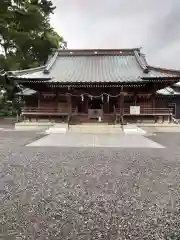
(134, 110)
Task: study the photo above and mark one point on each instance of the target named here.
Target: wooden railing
(147, 111)
(74, 111)
(40, 109)
(46, 111)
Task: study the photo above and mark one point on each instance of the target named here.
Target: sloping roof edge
(140, 62)
(159, 69)
(43, 68)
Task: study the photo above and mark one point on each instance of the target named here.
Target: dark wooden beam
(122, 105)
(69, 106)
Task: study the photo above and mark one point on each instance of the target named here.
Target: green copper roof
(122, 65)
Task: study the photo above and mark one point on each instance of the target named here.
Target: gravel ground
(88, 193)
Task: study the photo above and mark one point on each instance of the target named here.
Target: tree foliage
(26, 37)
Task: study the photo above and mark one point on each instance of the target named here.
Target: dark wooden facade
(97, 100)
(112, 104)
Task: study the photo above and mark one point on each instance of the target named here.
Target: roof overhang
(124, 67)
(155, 79)
(51, 84)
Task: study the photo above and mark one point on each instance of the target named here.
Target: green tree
(26, 37)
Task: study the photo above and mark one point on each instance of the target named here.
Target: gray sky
(153, 25)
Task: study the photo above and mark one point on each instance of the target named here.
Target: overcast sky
(153, 25)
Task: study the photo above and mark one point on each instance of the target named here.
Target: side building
(109, 85)
(171, 97)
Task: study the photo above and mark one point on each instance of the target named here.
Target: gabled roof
(96, 65)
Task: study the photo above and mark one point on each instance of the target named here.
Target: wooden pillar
(154, 106)
(108, 105)
(69, 106)
(153, 100)
(57, 100)
(39, 103)
(122, 106)
(135, 99)
(39, 99)
(86, 103)
(119, 107)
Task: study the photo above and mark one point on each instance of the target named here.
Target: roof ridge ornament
(63, 45)
(50, 63)
(139, 60)
(52, 60)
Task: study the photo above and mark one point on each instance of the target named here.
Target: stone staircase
(95, 128)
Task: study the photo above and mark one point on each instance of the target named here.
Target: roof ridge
(143, 57)
(51, 61)
(140, 62)
(100, 49)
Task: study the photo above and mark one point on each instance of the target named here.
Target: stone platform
(95, 140)
(101, 128)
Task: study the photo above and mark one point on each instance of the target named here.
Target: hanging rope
(90, 95)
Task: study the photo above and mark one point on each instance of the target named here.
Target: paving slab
(95, 140)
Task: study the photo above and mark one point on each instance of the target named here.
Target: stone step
(58, 128)
(95, 128)
(95, 131)
(29, 126)
(165, 124)
(96, 125)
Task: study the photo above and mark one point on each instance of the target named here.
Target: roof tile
(104, 67)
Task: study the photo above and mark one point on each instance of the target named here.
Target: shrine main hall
(103, 85)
